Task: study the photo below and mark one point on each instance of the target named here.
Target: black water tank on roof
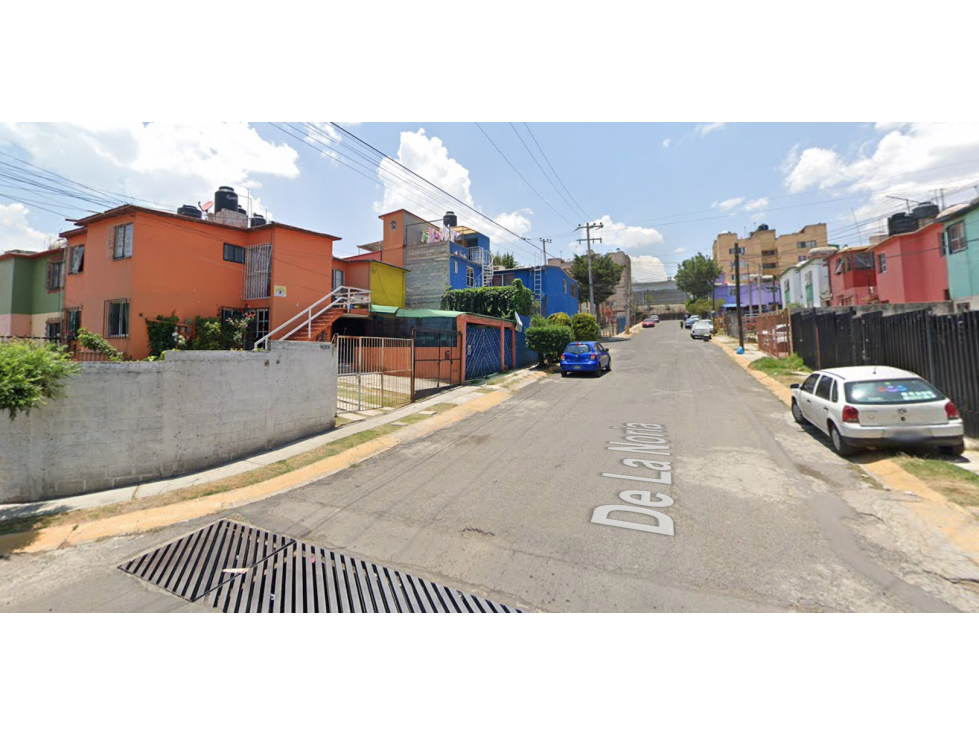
(225, 198)
(450, 220)
(925, 211)
(900, 223)
(258, 220)
(762, 227)
(189, 210)
(241, 210)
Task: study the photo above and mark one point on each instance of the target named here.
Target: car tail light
(565, 356)
(951, 411)
(593, 356)
(850, 414)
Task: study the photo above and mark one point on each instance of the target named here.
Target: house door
(338, 278)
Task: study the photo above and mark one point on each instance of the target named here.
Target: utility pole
(737, 287)
(543, 244)
(591, 285)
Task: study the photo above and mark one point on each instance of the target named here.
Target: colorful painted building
(960, 240)
(31, 292)
(911, 267)
(435, 255)
(141, 264)
(808, 283)
(555, 290)
(853, 276)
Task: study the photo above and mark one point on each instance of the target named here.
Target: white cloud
(647, 267)
(756, 204)
(516, 222)
(666, 142)
(728, 203)
(165, 164)
(626, 237)
(678, 250)
(909, 159)
(706, 128)
(17, 234)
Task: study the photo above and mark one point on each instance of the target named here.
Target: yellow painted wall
(387, 285)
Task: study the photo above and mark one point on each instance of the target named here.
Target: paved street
(765, 517)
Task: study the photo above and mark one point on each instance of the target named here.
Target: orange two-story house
(131, 264)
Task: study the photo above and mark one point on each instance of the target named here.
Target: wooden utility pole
(737, 290)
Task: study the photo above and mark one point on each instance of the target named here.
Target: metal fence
(373, 373)
(942, 349)
(774, 332)
(437, 361)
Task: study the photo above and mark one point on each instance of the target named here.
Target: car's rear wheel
(956, 450)
(797, 414)
(564, 374)
(840, 446)
(609, 367)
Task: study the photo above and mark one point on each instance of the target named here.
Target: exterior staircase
(313, 323)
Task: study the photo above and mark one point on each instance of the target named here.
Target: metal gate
(373, 373)
(437, 361)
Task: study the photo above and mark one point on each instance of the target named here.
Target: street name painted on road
(648, 439)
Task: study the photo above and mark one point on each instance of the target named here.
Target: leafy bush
(97, 343)
(585, 327)
(210, 333)
(549, 341)
(537, 321)
(30, 373)
(161, 333)
(559, 319)
(499, 301)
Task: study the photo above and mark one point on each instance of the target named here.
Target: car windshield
(578, 349)
(909, 390)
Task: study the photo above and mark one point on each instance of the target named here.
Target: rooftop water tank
(258, 220)
(901, 223)
(925, 211)
(189, 210)
(225, 198)
(450, 220)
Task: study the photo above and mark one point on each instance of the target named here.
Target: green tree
(506, 260)
(697, 275)
(31, 373)
(585, 327)
(606, 274)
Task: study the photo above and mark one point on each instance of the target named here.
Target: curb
(63, 536)
(953, 520)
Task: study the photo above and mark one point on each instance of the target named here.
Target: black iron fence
(942, 349)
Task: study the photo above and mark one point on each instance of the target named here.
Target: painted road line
(647, 439)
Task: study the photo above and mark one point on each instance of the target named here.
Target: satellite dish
(208, 205)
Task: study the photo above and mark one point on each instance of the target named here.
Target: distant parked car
(690, 322)
(655, 318)
(590, 357)
(703, 329)
(649, 322)
(861, 407)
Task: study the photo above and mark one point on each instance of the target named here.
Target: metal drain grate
(195, 564)
(294, 577)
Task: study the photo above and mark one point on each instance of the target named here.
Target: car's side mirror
(794, 386)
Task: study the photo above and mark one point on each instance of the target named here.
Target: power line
(534, 138)
(545, 173)
(521, 175)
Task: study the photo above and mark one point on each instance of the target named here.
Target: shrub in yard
(549, 341)
(559, 319)
(98, 343)
(207, 333)
(161, 333)
(30, 373)
(536, 321)
(585, 327)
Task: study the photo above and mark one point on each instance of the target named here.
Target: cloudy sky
(662, 191)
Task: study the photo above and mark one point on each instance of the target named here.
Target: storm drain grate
(195, 564)
(284, 575)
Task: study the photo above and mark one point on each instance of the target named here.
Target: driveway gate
(373, 372)
(437, 361)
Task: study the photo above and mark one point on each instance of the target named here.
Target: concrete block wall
(126, 423)
(428, 274)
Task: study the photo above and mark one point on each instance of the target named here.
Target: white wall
(125, 423)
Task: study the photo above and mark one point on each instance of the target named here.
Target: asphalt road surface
(502, 505)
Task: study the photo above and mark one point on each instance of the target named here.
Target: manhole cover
(244, 569)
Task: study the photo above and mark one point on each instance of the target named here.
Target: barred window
(117, 319)
(956, 237)
(56, 275)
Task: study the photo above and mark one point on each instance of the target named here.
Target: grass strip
(783, 369)
(952, 482)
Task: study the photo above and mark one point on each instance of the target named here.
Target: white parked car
(862, 407)
(702, 329)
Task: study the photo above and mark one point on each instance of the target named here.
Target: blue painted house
(555, 290)
(470, 262)
(960, 243)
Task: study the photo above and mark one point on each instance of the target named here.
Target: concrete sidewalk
(458, 396)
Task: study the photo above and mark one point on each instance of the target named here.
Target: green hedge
(549, 341)
(559, 319)
(30, 373)
(585, 327)
(499, 301)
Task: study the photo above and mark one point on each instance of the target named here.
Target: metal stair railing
(343, 297)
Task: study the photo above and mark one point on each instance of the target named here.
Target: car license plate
(909, 435)
(577, 366)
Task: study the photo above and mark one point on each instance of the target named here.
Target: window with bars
(52, 330)
(956, 238)
(56, 275)
(122, 241)
(882, 262)
(258, 272)
(117, 319)
(76, 259)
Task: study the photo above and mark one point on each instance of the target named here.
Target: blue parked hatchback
(585, 357)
